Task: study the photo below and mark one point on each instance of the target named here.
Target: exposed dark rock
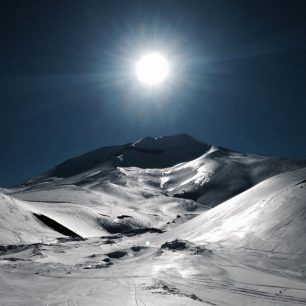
(70, 239)
(161, 287)
(140, 231)
(138, 248)
(15, 248)
(182, 245)
(109, 241)
(124, 216)
(118, 236)
(175, 245)
(12, 259)
(117, 254)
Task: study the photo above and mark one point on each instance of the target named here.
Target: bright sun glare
(152, 69)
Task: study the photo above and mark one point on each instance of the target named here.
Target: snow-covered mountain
(228, 209)
(128, 180)
(146, 153)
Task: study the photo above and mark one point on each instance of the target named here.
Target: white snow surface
(241, 219)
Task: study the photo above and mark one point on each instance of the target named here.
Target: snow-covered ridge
(146, 153)
(270, 216)
(87, 193)
(108, 215)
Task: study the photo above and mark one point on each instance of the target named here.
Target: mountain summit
(148, 152)
(173, 216)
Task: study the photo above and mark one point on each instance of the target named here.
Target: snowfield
(162, 221)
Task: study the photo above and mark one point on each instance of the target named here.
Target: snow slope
(146, 153)
(94, 229)
(270, 216)
(249, 250)
(206, 174)
(89, 198)
(18, 224)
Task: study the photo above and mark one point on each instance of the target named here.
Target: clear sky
(68, 84)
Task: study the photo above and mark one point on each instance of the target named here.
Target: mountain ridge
(148, 152)
(204, 229)
(151, 196)
(147, 145)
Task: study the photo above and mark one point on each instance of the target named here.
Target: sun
(152, 69)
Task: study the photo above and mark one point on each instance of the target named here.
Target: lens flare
(152, 69)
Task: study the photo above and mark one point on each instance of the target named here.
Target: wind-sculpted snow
(270, 216)
(163, 221)
(220, 174)
(88, 203)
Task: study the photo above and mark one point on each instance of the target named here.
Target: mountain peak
(167, 142)
(147, 152)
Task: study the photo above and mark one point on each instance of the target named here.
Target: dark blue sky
(67, 82)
